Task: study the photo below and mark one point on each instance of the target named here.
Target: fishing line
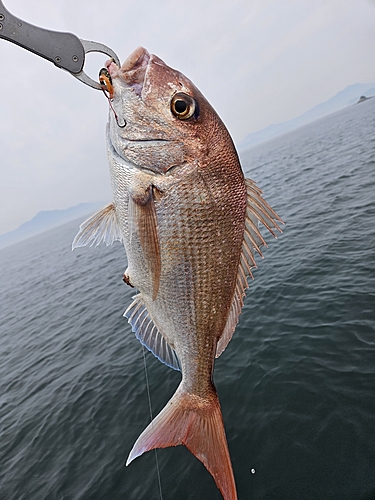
(149, 405)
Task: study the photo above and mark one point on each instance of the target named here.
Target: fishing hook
(107, 88)
(105, 92)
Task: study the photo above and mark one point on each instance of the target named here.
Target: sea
(296, 383)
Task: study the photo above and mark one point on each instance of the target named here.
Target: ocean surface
(296, 383)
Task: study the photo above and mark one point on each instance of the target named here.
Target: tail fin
(197, 423)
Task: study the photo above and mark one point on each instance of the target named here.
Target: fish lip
(127, 161)
(133, 72)
(147, 140)
(115, 153)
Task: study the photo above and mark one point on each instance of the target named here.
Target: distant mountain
(346, 97)
(47, 219)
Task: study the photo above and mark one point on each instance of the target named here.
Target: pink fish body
(189, 222)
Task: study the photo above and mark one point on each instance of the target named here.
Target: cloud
(258, 62)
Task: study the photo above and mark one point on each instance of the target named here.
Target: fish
(189, 221)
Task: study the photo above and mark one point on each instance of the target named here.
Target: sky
(258, 62)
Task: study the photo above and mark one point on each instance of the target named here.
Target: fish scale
(189, 223)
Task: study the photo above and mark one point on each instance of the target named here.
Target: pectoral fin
(143, 221)
(102, 226)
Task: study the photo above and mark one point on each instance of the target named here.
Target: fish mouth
(146, 146)
(114, 150)
(146, 142)
(128, 144)
(133, 70)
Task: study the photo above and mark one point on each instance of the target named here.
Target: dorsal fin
(257, 210)
(148, 334)
(102, 226)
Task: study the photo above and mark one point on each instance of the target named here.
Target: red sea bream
(189, 223)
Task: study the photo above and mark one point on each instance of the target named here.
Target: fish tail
(197, 423)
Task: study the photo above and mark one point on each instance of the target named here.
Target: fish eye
(106, 81)
(183, 106)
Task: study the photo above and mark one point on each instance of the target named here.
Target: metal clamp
(64, 50)
(95, 47)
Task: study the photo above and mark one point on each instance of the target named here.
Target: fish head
(159, 119)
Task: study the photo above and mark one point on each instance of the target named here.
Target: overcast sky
(257, 61)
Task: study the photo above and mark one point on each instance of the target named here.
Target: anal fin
(148, 334)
